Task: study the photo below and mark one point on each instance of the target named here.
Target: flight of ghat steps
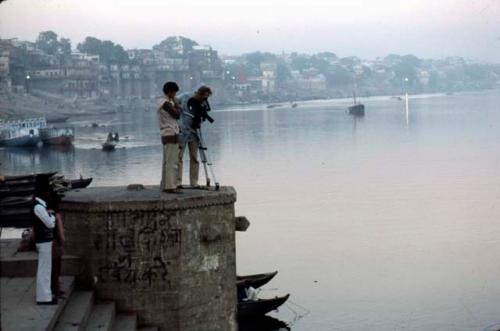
(80, 311)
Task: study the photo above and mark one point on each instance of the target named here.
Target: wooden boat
(109, 146)
(57, 119)
(259, 307)
(262, 323)
(57, 136)
(111, 141)
(357, 109)
(256, 280)
(80, 183)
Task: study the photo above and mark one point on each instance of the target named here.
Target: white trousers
(170, 166)
(43, 272)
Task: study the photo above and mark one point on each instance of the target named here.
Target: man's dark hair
(170, 87)
(205, 89)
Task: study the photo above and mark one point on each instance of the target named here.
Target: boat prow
(259, 307)
(256, 280)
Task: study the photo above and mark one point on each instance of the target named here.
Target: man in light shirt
(169, 112)
(43, 224)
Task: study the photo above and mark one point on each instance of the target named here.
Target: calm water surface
(377, 223)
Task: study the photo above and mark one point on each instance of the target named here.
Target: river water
(387, 222)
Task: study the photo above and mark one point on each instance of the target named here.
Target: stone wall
(170, 258)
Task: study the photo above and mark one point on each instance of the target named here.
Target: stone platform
(170, 258)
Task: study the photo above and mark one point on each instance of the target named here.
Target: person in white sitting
(43, 225)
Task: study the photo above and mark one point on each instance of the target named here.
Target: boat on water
(57, 136)
(111, 141)
(30, 132)
(259, 307)
(358, 109)
(57, 119)
(262, 323)
(80, 183)
(256, 280)
(21, 133)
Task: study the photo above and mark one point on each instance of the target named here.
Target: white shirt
(168, 124)
(41, 212)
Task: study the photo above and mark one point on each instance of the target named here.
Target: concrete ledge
(117, 199)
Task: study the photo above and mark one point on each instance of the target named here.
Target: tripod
(207, 165)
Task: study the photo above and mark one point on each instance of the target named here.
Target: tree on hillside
(173, 44)
(47, 42)
(108, 51)
(300, 62)
(255, 59)
(64, 46)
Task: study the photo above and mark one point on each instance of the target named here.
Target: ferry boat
(21, 133)
(57, 136)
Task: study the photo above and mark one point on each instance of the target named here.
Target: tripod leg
(203, 158)
(206, 161)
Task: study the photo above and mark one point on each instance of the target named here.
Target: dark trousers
(57, 253)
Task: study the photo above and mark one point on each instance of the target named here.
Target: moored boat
(80, 183)
(57, 136)
(21, 133)
(256, 280)
(259, 307)
(109, 146)
(357, 109)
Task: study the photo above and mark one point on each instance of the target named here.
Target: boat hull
(57, 136)
(255, 281)
(259, 307)
(23, 141)
(80, 183)
(357, 110)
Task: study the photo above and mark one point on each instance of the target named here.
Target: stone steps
(102, 317)
(24, 264)
(125, 322)
(19, 309)
(77, 312)
(83, 314)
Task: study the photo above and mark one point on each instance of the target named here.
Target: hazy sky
(435, 28)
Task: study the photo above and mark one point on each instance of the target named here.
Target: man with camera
(196, 112)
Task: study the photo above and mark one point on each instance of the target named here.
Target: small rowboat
(256, 280)
(259, 307)
(357, 109)
(80, 183)
(109, 146)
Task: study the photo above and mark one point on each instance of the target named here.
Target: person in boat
(113, 136)
(44, 221)
(169, 112)
(196, 112)
(245, 291)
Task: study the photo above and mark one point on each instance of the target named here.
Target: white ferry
(21, 133)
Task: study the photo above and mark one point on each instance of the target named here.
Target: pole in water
(407, 111)
(406, 101)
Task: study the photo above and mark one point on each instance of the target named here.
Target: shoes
(47, 303)
(180, 187)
